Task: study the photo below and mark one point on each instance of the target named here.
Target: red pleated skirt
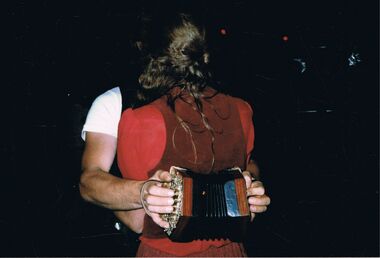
(229, 250)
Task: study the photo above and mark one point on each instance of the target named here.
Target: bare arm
(121, 195)
(100, 187)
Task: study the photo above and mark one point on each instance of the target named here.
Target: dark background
(316, 130)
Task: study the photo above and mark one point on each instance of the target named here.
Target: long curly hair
(174, 54)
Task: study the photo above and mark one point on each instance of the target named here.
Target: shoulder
(141, 141)
(108, 104)
(104, 114)
(111, 97)
(245, 114)
(148, 114)
(243, 106)
(142, 124)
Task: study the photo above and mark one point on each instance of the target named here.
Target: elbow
(133, 219)
(84, 189)
(138, 230)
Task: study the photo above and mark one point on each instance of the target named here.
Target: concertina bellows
(212, 206)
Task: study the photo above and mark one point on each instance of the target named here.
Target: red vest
(195, 150)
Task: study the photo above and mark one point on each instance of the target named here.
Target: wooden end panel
(187, 205)
(241, 193)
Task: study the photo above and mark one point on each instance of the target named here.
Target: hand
(158, 199)
(257, 199)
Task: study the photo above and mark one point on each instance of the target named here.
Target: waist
(181, 249)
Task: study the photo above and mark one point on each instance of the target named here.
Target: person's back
(216, 138)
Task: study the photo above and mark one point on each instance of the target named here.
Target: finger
(257, 208)
(255, 190)
(157, 219)
(248, 178)
(252, 216)
(159, 191)
(162, 175)
(158, 201)
(257, 184)
(259, 200)
(160, 209)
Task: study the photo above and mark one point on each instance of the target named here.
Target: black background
(316, 130)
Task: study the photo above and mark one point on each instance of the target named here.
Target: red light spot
(223, 31)
(285, 38)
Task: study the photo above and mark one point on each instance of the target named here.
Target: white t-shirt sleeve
(104, 114)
